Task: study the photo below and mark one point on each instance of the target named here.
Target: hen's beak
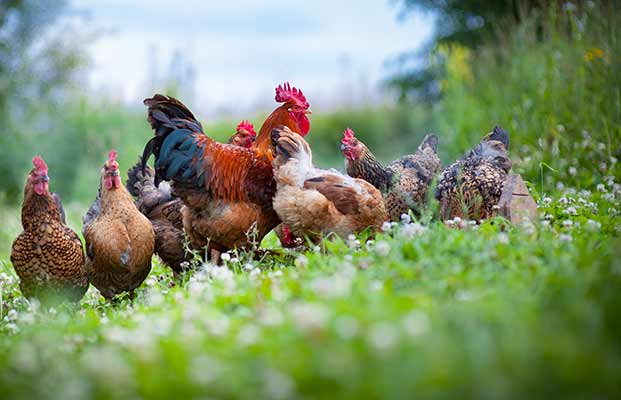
(45, 178)
(343, 147)
(308, 111)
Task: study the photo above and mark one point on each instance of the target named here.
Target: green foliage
(492, 311)
(559, 97)
(34, 73)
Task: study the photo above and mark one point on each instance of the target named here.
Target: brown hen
(313, 202)
(48, 255)
(119, 239)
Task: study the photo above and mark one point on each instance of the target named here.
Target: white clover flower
(255, 272)
(234, 260)
(386, 226)
(601, 187)
(353, 243)
(416, 323)
(369, 244)
(560, 186)
(271, 316)
(545, 223)
(376, 285)
(613, 160)
(594, 225)
(547, 200)
(603, 166)
(338, 285)
(413, 229)
(383, 336)
(568, 223)
(278, 385)
(572, 171)
(503, 238)
(11, 315)
(405, 218)
(301, 261)
(382, 248)
(217, 326)
(248, 335)
(309, 316)
(204, 370)
(346, 327)
(565, 237)
(316, 249)
(560, 128)
(548, 216)
(225, 257)
(248, 266)
(570, 210)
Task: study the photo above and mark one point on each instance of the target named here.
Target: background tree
(39, 57)
(464, 22)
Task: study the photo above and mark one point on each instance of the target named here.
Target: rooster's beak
(45, 178)
(343, 147)
(308, 111)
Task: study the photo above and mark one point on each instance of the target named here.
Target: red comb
(39, 164)
(112, 163)
(348, 135)
(286, 93)
(247, 126)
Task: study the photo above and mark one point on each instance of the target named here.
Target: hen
(471, 187)
(404, 183)
(164, 210)
(48, 255)
(227, 190)
(313, 202)
(119, 239)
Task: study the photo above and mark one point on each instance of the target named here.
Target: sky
(229, 55)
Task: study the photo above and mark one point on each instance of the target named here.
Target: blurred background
(73, 75)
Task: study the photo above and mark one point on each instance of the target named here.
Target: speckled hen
(471, 187)
(404, 183)
(48, 255)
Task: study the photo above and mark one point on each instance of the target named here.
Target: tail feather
(178, 140)
(142, 186)
(430, 140)
(498, 134)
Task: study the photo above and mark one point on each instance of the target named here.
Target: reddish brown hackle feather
(39, 164)
(286, 93)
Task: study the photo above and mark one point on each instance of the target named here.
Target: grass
(489, 311)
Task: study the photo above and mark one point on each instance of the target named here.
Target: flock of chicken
(225, 196)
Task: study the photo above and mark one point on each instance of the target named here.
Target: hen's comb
(348, 135)
(285, 93)
(247, 126)
(112, 163)
(39, 164)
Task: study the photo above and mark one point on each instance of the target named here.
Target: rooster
(471, 187)
(227, 190)
(404, 183)
(48, 255)
(313, 202)
(164, 210)
(119, 239)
